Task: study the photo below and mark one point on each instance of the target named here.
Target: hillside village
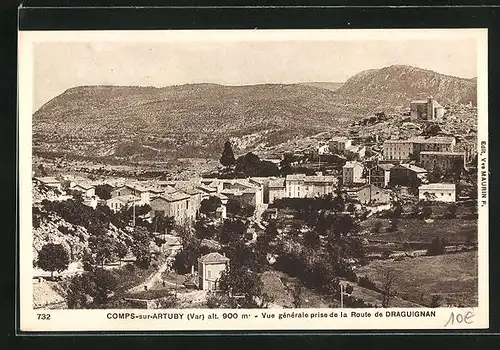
(285, 230)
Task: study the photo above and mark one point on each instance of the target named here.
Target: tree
(103, 191)
(339, 203)
(162, 224)
(204, 230)
(451, 210)
(437, 246)
(53, 257)
(398, 210)
(377, 226)
(104, 248)
(393, 224)
(242, 284)
(271, 230)
(209, 205)
(231, 230)
(389, 285)
(121, 250)
(426, 212)
(227, 158)
(91, 289)
(141, 247)
(297, 296)
(187, 257)
(414, 156)
(436, 301)
(312, 239)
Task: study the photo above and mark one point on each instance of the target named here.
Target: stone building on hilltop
(428, 109)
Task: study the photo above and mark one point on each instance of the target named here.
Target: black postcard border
(79, 18)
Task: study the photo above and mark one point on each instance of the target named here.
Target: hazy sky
(62, 65)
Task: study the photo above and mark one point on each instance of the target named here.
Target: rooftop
(213, 258)
(412, 167)
(276, 183)
(432, 139)
(438, 186)
(295, 177)
(339, 138)
(424, 139)
(47, 179)
(126, 198)
(85, 186)
(175, 196)
(385, 166)
(320, 178)
(443, 153)
(352, 164)
(190, 190)
(206, 188)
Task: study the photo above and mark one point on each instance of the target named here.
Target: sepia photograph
(263, 170)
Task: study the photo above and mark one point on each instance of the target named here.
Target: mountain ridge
(194, 120)
(399, 84)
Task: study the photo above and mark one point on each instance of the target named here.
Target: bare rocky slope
(399, 84)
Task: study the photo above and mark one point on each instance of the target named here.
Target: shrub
(377, 226)
(437, 246)
(365, 282)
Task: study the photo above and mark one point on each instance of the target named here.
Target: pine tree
(227, 159)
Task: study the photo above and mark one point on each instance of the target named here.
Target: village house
(358, 151)
(407, 175)
(352, 173)
(443, 161)
(276, 189)
(175, 205)
(428, 109)
(243, 191)
(401, 150)
(397, 149)
(145, 193)
(206, 191)
(303, 186)
(371, 194)
(48, 181)
(247, 196)
(210, 268)
(120, 202)
(123, 190)
(339, 144)
(380, 175)
(213, 183)
(91, 201)
(467, 145)
(439, 192)
(194, 198)
(323, 149)
(433, 143)
(86, 189)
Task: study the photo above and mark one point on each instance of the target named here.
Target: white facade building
(439, 192)
(352, 173)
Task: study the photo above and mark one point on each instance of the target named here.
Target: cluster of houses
(402, 162)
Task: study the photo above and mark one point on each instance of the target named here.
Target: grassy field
(452, 276)
(415, 230)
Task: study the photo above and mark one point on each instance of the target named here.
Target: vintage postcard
(253, 180)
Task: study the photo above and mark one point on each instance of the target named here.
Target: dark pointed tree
(227, 159)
